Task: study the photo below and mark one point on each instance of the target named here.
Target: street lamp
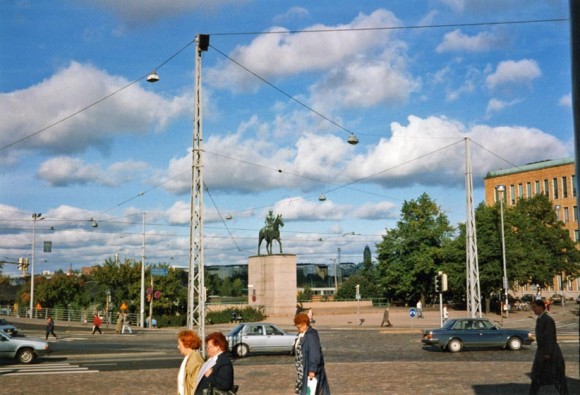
(501, 189)
(35, 217)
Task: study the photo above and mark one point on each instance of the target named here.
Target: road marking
(57, 368)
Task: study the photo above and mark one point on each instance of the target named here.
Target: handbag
(215, 391)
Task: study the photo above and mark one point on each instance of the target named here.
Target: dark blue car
(475, 332)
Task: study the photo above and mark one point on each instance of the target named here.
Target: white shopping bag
(311, 388)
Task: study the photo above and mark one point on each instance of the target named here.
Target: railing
(71, 315)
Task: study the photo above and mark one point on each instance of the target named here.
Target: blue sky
(411, 79)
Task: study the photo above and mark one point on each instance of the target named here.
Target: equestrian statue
(271, 232)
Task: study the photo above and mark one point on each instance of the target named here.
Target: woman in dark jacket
(309, 359)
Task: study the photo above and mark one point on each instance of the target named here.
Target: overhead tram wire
(440, 26)
(284, 92)
(221, 217)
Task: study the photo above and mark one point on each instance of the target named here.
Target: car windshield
(236, 330)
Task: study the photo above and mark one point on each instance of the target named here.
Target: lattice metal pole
(196, 312)
(473, 289)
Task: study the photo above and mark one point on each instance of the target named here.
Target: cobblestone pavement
(399, 377)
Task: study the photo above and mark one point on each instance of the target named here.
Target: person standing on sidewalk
(309, 361)
(50, 327)
(119, 324)
(97, 324)
(549, 366)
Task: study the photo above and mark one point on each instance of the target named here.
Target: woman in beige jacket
(188, 344)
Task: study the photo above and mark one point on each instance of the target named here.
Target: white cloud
(65, 171)
(430, 151)
(135, 12)
(292, 13)
(373, 211)
(511, 72)
(365, 83)
(457, 41)
(566, 100)
(131, 111)
(294, 53)
(497, 105)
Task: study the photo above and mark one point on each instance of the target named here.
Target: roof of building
(531, 166)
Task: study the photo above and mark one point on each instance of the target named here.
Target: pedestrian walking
(386, 318)
(50, 327)
(419, 309)
(188, 344)
(309, 361)
(549, 366)
(217, 372)
(97, 324)
(119, 324)
(126, 324)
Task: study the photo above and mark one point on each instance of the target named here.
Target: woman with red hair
(309, 359)
(188, 344)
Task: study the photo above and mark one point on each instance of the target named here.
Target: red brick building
(555, 178)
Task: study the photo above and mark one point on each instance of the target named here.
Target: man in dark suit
(218, 369)
(548, 367)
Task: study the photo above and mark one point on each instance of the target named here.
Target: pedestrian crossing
(43, 369)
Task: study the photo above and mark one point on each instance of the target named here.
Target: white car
(23, 349)
(7, 327)
(259, 337)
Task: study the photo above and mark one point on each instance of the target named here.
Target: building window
(566, 215)
(547, 188)
(529, 189)
(513, 194)
(575, 214)
(520, 191)
(538, 188)
(564, 187)
(576, 235)
(574, 185)
(555, 186)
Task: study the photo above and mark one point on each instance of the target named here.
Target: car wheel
(242, 350)
(514, 343)
(455, 345)
(25, 356)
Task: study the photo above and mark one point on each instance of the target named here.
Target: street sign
(159, 271)
(412, 312)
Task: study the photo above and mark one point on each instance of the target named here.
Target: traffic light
(443, 282)
(437, 283)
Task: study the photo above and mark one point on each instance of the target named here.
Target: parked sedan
(7, 327)
(25, 350)
(475, 332)
(259, 337)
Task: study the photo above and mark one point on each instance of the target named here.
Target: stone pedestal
(272, 283)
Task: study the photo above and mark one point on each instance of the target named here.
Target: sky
(85, 139)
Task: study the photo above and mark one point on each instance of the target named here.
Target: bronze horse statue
(271, 234)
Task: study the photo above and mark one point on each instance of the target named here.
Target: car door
(489, 335)
(254, 337)
(277, 340)
(466, 331)
(6, 347)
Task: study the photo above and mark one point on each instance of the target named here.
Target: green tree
(537, 247)
(368, 289)
(123, 280)
(412, 253)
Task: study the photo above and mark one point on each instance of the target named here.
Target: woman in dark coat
(309, 359)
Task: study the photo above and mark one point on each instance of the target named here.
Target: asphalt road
(360, 360)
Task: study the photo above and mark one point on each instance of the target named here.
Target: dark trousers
(96, 328)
